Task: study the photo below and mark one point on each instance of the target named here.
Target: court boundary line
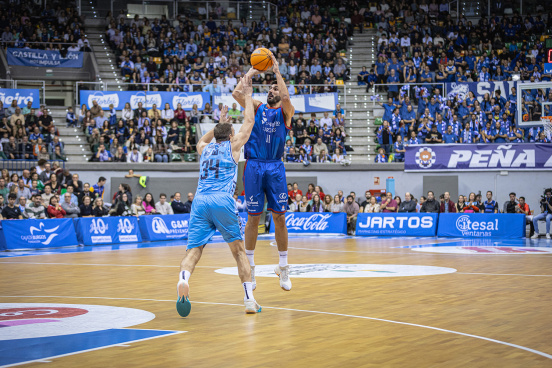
(219, 267)
(126, 344)
(537, 352)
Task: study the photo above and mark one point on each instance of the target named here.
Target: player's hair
(222, 132)
(275, 81)
(490, 191)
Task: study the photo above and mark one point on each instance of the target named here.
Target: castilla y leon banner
(478, 157)
(312, 222)
(45, 58)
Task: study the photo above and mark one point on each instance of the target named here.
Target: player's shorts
(212, 212)
(262, 178)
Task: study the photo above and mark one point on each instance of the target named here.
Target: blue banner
(107, 230)
(479, 89)
(22, 96)
(478, 157)
(303, 103)
(148, 99)
(45, 58)
(470, 225)
(171, 227)
(313, 222)
(547, 68)
(394, 224)
(38, 233)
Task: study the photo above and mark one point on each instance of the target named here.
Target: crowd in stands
(47, 191)
(318, 140)
(53, 26)
(315, 200)
(28, 134)
(422, 44)
(179, 55)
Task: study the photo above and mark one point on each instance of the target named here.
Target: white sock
(250, 256)
(185, 275)
(283, 259)
(248, 288)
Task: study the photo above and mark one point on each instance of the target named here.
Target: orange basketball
(260, 59)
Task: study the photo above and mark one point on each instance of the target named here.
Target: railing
(7, 83)
(17, 166)
(28, 84)
(3, 43)
(233, 10)
(261, 88)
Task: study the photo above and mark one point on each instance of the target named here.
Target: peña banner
(22, 96)
(478, 157)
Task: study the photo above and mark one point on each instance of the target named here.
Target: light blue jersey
(214, 207)
(218, 170)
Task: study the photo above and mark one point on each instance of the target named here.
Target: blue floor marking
(25, 350)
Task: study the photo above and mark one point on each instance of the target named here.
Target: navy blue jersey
(268, 136)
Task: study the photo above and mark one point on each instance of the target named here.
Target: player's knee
(279, 220)
(253, 221)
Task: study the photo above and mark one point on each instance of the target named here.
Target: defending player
(264, 172)
(214, 206)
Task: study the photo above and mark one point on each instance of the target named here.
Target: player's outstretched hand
(224, 115)
(252, 72)
(247, 85)
(275, 65)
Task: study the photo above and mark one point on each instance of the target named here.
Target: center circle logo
(425, 157)
(34, 320)
(463, 223)
(331, 271)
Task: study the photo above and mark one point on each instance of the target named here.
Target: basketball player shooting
(214, 206)
(264, 173)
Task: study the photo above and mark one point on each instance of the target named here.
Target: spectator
(490, 205)
(137, 207)
(71, 209)
(135, 155)
(461, 205)
(447, 205)
(149, 204)
(177, 206)
(546, 208)
(35, 209)
(372, 206)
(430, 205)
(122, 207)
(388, 204)
(524, 208)
(408, 205)
(54, 209)
(99, 209)
(11, 211)
(85, 208)
(511, 206)
(351, 209)
(163, 207)
(188, 203)
(99, 187)
(337, 205)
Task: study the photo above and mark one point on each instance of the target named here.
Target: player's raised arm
(242, 136)
(208, 137)
(288, 108)
(238, 92)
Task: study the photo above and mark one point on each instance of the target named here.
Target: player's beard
(272, 100)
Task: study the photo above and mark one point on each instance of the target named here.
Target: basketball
(260, 59)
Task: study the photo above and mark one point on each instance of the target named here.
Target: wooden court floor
(493, 311)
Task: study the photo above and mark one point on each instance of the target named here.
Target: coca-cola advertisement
(315, 223)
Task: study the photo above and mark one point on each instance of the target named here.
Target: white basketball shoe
(283, 274)
(251, 306)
